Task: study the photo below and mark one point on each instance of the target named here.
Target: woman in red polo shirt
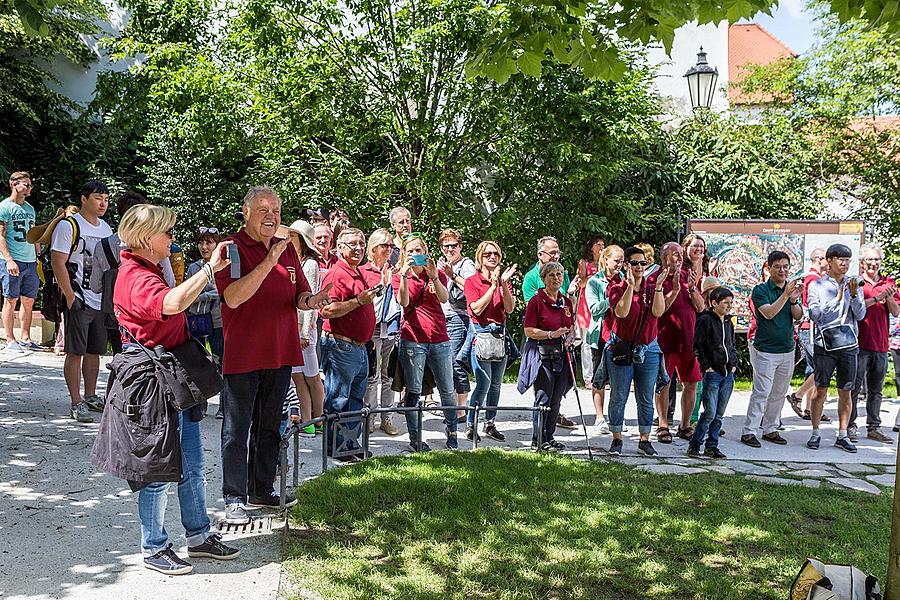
(545, 365)
(420, 290)
(155, 315)
(636, 303)
(489, 299)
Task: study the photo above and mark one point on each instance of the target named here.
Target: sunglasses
(450, 245)
(490, 253)
(212, 230)
(638, 263)
(411, 235)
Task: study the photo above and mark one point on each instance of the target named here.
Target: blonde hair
(407, 242)
(607, 252)
(142, 221)
(479, 252)
(647, 249)
(379, 236)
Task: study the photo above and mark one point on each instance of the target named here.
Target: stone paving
(67, 531)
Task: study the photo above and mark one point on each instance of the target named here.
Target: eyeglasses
(638, 263)
(354, 245)
(450, 245)
(411, 235)
(212, 230)
(489, 253)
(555, 253)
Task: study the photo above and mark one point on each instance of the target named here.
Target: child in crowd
(715, 351)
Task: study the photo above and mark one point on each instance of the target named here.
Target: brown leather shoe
(775, 438)
(875, 434)
(750, 440)
(565, 423)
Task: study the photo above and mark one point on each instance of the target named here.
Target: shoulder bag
(839, 336)
(622, 351)
(491, 345)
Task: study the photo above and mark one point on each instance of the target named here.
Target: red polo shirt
(371, 274)
(873, 329)
(676, 325)
(641, 300)
(477, 286)
(813, 275)
(138, 302)
(348, 282)
(262, 333)
(426, 322)
(543, 313)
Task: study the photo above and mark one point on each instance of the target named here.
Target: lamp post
(701, 80)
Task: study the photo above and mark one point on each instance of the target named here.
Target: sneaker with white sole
(167, 562)
(94, 403)
(814, 441)
(845, 444)
(80, 413)
(213, 548)
(236, 514)
(272, 500)
(30, 346)
(14, 348)
(603, 427)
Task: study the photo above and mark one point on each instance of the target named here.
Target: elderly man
(401, 223)
(835, 307)
(881, 299)
(676, 338)
(547, 251)
(777, 305)
(349, 324)
(262, 291)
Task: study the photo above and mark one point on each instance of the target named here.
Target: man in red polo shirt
(349, 324)
(676, 338)
(262, 291)
(882, 301)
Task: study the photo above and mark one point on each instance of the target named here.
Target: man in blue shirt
(18, 263)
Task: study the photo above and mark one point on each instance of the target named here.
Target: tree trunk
(892, 585)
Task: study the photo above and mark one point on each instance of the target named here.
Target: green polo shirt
(533, 282)
(775, 336)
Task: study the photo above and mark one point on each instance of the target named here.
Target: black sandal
(663, 435)
(685, 434)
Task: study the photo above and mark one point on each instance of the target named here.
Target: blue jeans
(716, 393)
(414, 356)
(153, 498)
(457, 329)
(488, 377)
(644, 375)
(252, 404)
(346, 368)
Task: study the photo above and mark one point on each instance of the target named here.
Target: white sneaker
(603, 427)
(80, 413)
(14, 348)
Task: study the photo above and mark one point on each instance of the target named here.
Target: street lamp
(701, 80)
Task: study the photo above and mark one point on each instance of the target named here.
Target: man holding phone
(349, 324)
(262, 342)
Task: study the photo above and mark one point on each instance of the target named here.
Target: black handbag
(550, 351)
(622, 351)
(839, 336)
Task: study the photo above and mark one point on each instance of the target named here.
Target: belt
(343, 338)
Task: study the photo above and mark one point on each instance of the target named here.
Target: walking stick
(578, 401)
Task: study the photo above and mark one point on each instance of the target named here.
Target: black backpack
(108, 278)
(53, 301)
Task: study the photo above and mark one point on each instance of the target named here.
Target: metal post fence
(332, 422)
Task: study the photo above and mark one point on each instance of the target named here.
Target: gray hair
(396, 211)
(871, 248)
(350, 232)
(260, 190)
(551, 266)
(546, 238)
(668, 248)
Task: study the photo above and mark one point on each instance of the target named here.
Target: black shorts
(843, 362)
(84, 330)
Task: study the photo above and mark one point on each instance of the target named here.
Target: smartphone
(378, 289)
(235, 259)
(420, 260)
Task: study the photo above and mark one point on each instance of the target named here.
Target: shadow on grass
(519, 525)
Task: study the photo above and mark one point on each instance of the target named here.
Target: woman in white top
(307, 380)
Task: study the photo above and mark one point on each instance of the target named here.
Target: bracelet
(659, 289)
(548, 336)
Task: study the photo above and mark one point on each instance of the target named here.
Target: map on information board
(738, 250)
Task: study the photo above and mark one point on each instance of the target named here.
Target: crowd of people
(316, 318)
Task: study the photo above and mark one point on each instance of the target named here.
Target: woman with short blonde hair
(141, 222)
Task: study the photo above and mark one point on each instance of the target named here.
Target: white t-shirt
(81, 256)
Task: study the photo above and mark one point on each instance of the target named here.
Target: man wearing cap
(261, 292)
(349, 324)
(836, 305)
(401, 223)
(18, 267)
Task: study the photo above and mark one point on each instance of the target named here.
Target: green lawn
(499, 524)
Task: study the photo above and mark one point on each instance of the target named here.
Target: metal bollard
(475, 428)
(296, 456)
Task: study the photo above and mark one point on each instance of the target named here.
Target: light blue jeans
(488, 377)
(414, 356)
(153, 498)
(644, 375)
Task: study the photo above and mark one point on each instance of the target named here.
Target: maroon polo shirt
(676, 325)
(542, 312)
(873, 329)
(477, 286)
(262, 333)
(641, 300)
(347, 283)
(371, 274)
(138, 303)
(813, 275)
(425, 323)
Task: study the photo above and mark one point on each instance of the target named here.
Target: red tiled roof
(751, 44)
(875, 124)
